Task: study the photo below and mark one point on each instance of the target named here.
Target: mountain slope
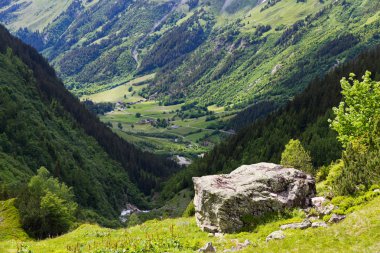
(305, 118)
(42, 124)
(34, 14)
(270, 54)
(230, 53)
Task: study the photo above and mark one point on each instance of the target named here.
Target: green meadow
(131, 118)
(359, 232)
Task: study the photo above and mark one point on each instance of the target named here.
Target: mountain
(42, 124)
(304, 118)
(229, 53)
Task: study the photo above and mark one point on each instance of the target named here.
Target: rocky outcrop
(222, 202)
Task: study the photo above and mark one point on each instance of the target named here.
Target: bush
(296, 156)
(190, 210)
(133, 220)
(46, 206)
(360, 172)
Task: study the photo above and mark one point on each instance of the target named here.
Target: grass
(122, 92)
(359, 232)
(184, 139)
(10, 226)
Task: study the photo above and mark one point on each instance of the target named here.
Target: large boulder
(222, 202)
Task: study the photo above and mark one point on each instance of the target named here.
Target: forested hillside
(226, 53)
(305, 118)
(42, 124)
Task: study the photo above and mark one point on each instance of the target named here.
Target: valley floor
(359, 232)
(187, 137)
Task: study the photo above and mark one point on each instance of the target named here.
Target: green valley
(160, 128)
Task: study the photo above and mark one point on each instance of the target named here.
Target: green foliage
(335, 171)
(357, 125)
(356, 118)
(10, 225)
(190, 210)
(359, 232)
(47, 207)
(296, 156)
(304, 118)
(361, 170)
(349, 204)
(133, 220)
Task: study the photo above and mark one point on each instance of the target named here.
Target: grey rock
(318, 203)
(208, 248)
(221, 201)
(218, 234)
(301, 225)
(239, 246)
(276, 235)
(335, 218)
(243, 245)
(313, 218)
(327, 209)
(319, 224)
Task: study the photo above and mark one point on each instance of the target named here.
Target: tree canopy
(296, 156)
(47, 207)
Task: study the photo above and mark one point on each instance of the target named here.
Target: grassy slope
(247, 63)
(10, 226)
(39, 13)
(360, 232)
(117, 94)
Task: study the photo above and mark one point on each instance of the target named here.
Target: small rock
(318, 202)
(210, 235)
(376, 190)
(218, 234)
(319, 224)
(276, 235)
(244, 245)
(335, 218)
(313, 218)
(327, 209)
(301, 225)
(208, 248)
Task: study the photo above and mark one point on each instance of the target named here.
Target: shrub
(46, 206)
(190, 210)
(133, 220)
(359, 173)
(296, 156)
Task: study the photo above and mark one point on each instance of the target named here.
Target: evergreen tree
(296, 156)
